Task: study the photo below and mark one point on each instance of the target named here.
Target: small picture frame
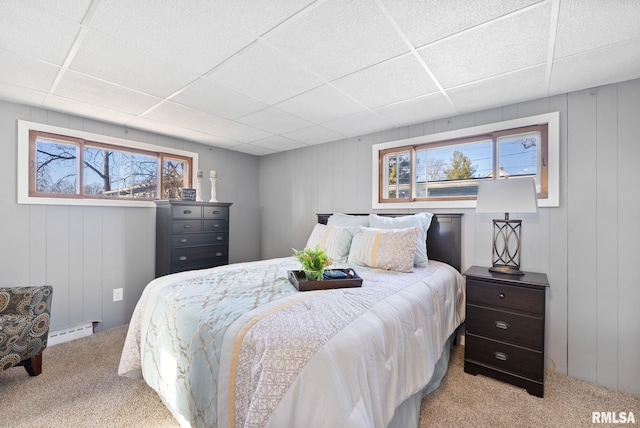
(188, 194)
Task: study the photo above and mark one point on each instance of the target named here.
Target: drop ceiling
(262, 77)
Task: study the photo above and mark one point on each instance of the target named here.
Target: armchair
(24, 326)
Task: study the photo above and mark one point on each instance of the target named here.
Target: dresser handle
(220, 238)
(501, 356)
(216, 212)
(215, 226)
(502, 325)
(501, 295)
(183, 240)
(218, 254)
(186, 212)
(182, 258)
(187, 226)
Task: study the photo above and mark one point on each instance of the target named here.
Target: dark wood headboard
(444, 238)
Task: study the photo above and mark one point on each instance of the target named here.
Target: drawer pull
(187, 226)
(186, 212)
(183, 240)
(215, 226)
(501, 356)
(218, 254)
(182, 258)
(220, 238)
(501, 295)
(216, 212)
(502, 325)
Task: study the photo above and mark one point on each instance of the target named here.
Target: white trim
(551, 119)
(23, 165)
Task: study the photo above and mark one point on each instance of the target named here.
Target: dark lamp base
(509, 270)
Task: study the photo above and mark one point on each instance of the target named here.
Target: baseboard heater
(70, 333)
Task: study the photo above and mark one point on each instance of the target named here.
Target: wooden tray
(299, 280)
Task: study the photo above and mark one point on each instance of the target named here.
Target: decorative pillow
(346, 220)
(335, 240)
(421, 220)
(390, 249)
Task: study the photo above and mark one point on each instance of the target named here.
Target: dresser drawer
(186, 226)
(198, 256)
(193, 239)
(505, 296)
(186, 211)
(505, 326)
(509, 358)
(214, 225)
(216, 212)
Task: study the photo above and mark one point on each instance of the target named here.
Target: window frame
(26, 184)
(550, 161)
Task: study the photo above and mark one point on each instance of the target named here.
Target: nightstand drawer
(216, 212)
(215, 225)
(502, 356)
(197, 239)
(505, 326)
(505, 296)
(186, 226)
(197, 256)
(186, 211)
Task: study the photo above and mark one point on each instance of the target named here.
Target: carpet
(79, 387)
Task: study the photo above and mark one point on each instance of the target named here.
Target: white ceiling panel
(274, 121)
(322, 104)
(210, 97)
(34, 33)
(587, 25)
(263, 77)
(314, 135)
(102, 57)
(85, 89)
(280, 76)
(339, 37)
(398, 79)
(492, 49)
(427, 21)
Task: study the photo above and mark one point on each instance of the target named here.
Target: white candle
(213, 174)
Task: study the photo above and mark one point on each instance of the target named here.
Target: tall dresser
(191, 235)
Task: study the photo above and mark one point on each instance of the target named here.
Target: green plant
(313, 261)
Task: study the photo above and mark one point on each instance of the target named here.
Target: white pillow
(335, 240)
(346, 220)
(390, 249)
(421, 220)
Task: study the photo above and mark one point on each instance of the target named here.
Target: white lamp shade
(511, 195)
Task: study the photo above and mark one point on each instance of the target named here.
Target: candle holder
(199, 187)
(213, 176)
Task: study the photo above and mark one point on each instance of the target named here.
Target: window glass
(174, 173)
(57, 167)
(397, 175)
(519, 156)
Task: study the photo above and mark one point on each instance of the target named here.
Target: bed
(238, 345)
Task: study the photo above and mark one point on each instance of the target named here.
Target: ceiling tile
(395, 80)
(207, 96)
(417, 110)
(185, 117)
(179, 132)
(278, 143)
(609, 22)
(314, 135)
(321, 104)
(359, 124)
(502, 46)
(102, 57)
(274, 121)
(20, 94)
(615, 64)
(88, 90)
(265, 74)
(502, 90)
(32, 32)
(196, 37)
(427, 21)
(71, 9)
(26, 72)
(339, 37)
(253, 150)
(239, 132)
(83, 109)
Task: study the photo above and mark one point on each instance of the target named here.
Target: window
(444, 170)
(80, 168)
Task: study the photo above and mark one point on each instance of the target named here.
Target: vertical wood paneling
(76, 265)
(607, 236)
(57, 245)
(92, 250)
(628, 237)
(582, 260)
(114, 263)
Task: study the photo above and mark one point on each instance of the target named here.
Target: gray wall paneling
(86, 252)
(587, 246)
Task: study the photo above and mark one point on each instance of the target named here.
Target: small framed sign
(188, 194)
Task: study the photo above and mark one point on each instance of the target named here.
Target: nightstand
(504, 327)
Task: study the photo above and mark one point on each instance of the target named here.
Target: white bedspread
(239, 346)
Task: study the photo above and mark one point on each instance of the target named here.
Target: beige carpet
(79, 387)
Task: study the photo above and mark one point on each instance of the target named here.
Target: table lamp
(505, 196)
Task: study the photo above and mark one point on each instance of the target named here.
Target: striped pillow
(335, 240)
(389, 249)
